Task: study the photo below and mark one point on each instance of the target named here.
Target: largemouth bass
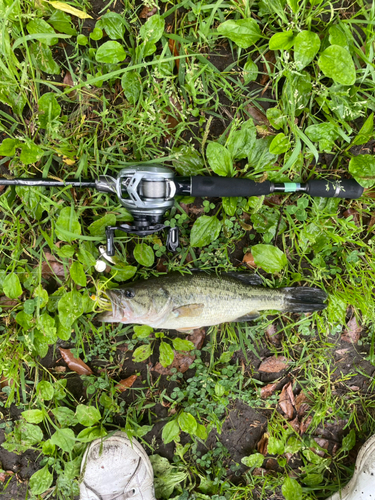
(193, 301)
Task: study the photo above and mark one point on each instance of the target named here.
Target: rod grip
(224, 186)
(342, 188)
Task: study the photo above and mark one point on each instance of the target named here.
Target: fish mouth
(121, 309)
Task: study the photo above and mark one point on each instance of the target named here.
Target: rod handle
(341, 188)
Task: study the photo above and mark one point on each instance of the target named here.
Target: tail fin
(304, 299)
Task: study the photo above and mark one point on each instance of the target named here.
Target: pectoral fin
(189, 311)
(249, 317)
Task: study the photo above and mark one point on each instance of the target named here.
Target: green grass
(180, 89)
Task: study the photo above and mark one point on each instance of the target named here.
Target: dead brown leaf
(272, 336)
(174, 47)
(304, 425)
(294, 424)
(68, 80)
(5, 302)
(160, 266)
(262, 444)
(258, 116)
(51, 267)
(248, 259)
(60, 369)
(75, 364)
(197, 337)
(352, 332)
(126, 383)
(267, 390)
(302, 404)
(354, 213)
(147, 12)
(285, 402)
(273, 364)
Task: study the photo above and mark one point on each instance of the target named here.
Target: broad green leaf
(255, 460)
(362, 168)
(96, 34)
(12, 286)
(153, 29)
(142, 331)
(243, 32)
(82, 40)
(280, 144)
(25, 320)
(8, 147)
(46, 324)
(87, 415)
(187, 422)
(293, 4)
(166, 354)
(64, 439)
(348, 441)
(275, 446)
(306, 46)
(70, 308)
(182, 345)
(230, 205)
(337, 36)
(324, 133)
(205, 230)
(269, 258)
(30, 153)
(123, 272)
(201, 432)
(188, 161)
(37, 26)
(250, 71)
(49, 109)
(48, 448)
(219, 159)
(30, 197)
(336, 309)
(41, 296)
(67, 221)
(45, 390)
(282, 41)
(113, 24)
(240, 143)
(65, 416)
(40, 481)
(171, 431)
(313, 479)
(366, 133)
(110, 53)
(62, 22)
(65, 7)
(260, 158)
(337, 63)
(41, 56)
(78, 274)
(276, 118)
(33, 416)
(91, 433)
(296, 93)
(131, 83)
(219, 390)
(142, 353)
(144, 254)
(291, 489)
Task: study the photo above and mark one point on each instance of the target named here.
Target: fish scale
(191, 301)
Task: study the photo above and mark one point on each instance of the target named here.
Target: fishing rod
(147, 192)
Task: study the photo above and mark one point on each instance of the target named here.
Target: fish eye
(129, 293)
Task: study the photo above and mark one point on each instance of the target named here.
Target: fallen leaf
(352, 332)
(267, 390)
(248, 259)
(272, 336)
(273, 364)
(65, 7)
(68, 80)
(197, 337)
(174, 47)
(147, 12)
(51, 267)
(354, 213)
(341, 352)
(126, 383)
(285, 402)
(5, 302)
(304, 425)
(75, 364)
(294, 424)
(262, 444)
(60, 369)
(160, 266)
(257, 115)
(302, 404)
